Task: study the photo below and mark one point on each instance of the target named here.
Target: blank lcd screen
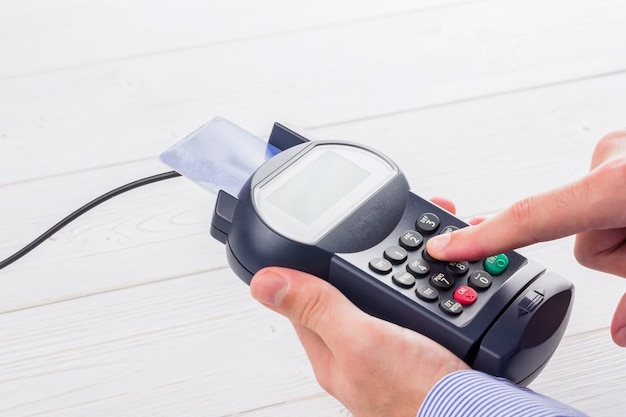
(317, 187)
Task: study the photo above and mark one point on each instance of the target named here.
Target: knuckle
(529, 219)
(612, 138)
(310, 308)
(602, 182)
(589, 259)
(608, 145)
(325, 383)
(613, 171)
(582, 256)
(522, 212)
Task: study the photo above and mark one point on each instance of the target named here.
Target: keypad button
(427, 256)
(411, 240)
(403, 279)
(465, 295)
(458, 269)
(451, 307)
(480, 280)
(441, 281)
(427, 223)
(448, 229)
(496, 264)
(380, 266)
(418, 267)
(395, 254)
(427, 293)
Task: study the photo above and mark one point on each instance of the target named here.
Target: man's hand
(593, 208)
(373, 367)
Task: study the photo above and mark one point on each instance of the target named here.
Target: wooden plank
(556, 126)
(150, 234)
(320, 405)
(487, 153)
(200, 345)
(199, 340)
(587, 372)
(123, 111)
(70, 33)
(132, 311)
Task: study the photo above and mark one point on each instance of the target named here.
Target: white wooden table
(132, 310)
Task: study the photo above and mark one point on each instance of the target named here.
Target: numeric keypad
(457, 282)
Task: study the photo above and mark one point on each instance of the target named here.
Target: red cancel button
(465, 295)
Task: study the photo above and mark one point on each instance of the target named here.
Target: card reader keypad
(454, 286)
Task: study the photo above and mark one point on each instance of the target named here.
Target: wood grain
(132, 310)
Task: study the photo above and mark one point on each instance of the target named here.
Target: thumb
(305, 300)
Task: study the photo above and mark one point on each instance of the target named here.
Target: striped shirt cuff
(476, 394)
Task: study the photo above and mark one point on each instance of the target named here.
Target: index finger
(565, 211)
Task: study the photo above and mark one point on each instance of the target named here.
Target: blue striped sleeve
(476, 394)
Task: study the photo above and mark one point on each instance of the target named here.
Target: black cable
(95, 202)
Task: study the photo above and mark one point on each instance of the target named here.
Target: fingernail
(269, 288)
(437, 244)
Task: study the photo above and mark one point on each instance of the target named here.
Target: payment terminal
(344, 212)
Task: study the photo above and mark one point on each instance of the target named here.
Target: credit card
(219, 156)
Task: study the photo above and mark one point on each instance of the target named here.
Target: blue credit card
(219, 156)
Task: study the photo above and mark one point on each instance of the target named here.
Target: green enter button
(496, 264)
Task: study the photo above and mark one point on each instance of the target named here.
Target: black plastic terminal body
(512, 332)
